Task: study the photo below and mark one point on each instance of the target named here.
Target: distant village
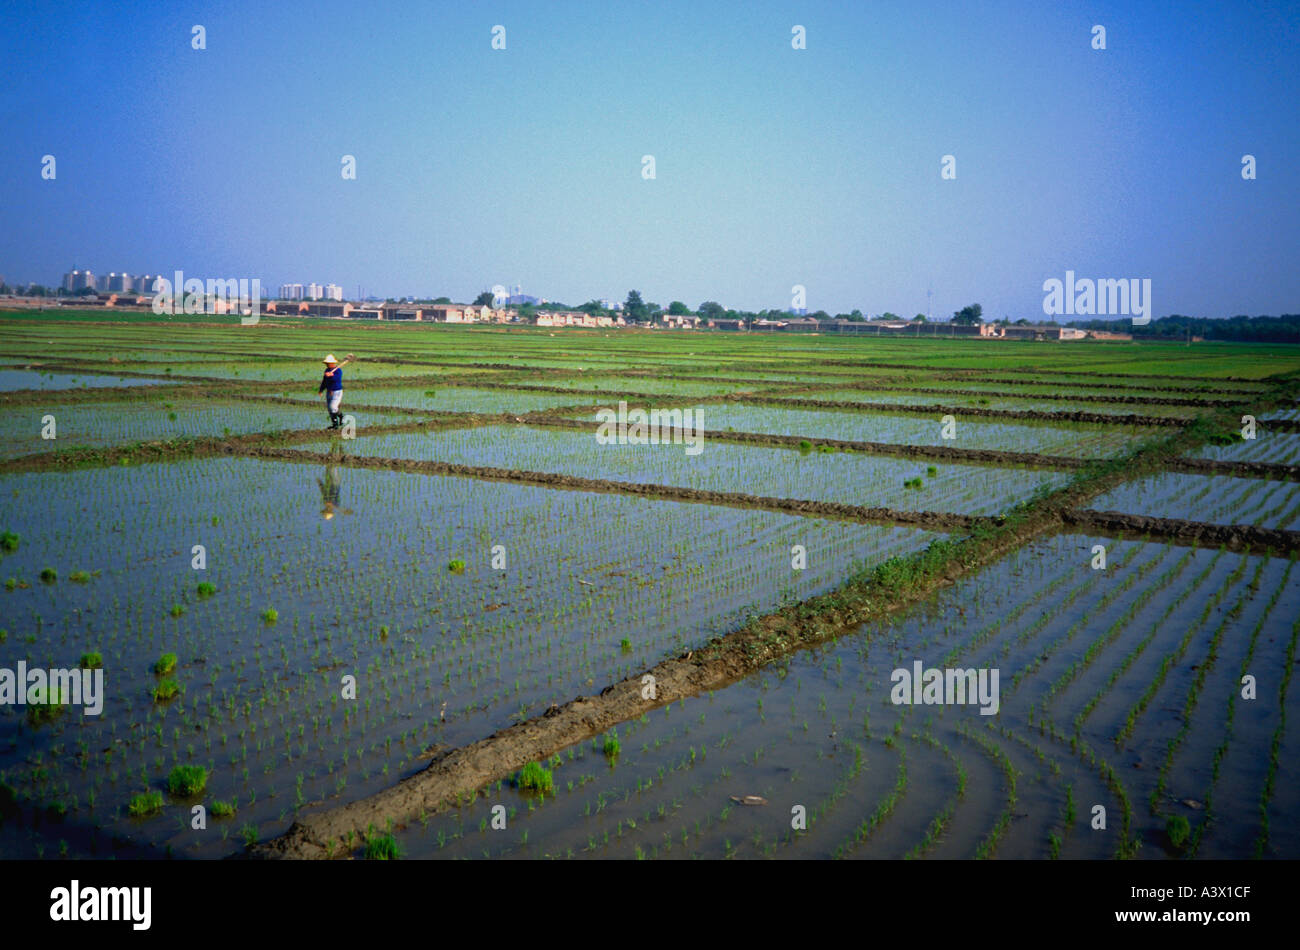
(81, 290)
(540, 317)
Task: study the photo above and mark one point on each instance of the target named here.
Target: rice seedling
(535, 777)
(145, 804)
(185, 781)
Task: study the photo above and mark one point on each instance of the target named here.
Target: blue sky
(774, 166)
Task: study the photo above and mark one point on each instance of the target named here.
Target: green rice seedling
(805, 446)
(625, 645)
(177, 610)
(49, 575)
(456, 566)
(144, 804)
(187, 780)
(1178, 828)
(382, 848)
(79, 577)
(44, 705)
(536, 777)
(91, 661)
(166, 664)
(611, 746)
(9, 541)
(269, 615)
(165, 691)
(206, 589)
(223, 809)
(931, 470)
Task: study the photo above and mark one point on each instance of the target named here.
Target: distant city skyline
(679, 149)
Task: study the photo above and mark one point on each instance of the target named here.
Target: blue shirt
(332, 381)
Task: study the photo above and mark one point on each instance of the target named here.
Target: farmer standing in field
(331, 385)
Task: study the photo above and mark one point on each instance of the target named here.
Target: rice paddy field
(464, 590)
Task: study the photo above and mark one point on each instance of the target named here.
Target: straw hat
(329, 359)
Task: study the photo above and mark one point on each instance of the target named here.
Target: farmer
(331, 385)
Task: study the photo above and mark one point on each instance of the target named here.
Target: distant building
(78, 280)
(333, 292)
(119, 283)
(144, 283)
(291, 291)
(1109, 335)
(445, 313)
(315, 291)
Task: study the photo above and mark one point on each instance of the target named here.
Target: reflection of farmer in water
(330, 485)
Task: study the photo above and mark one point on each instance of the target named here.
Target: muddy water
(1035, 616)
(356, 564)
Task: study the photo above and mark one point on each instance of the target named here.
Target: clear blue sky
(774, 166)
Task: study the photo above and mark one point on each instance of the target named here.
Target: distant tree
(1022, 322)
(919, 318)
(856, 316)
(890, 316)
(821, 316)
(484, 299)
(969, 316)
(634, 306)
(84, 292)
(678, 309)
(711, 309)
(438, 300)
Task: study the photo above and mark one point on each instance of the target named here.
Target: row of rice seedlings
(1218, 499)
(1173, 657)
(1058, 605)
(1266, 793)
(1221, 750)
(939, 823)
(1194, 690)
(1138, 648)
(1111, 596)
(1084, 440)
(988, 846)
(1120, 624)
